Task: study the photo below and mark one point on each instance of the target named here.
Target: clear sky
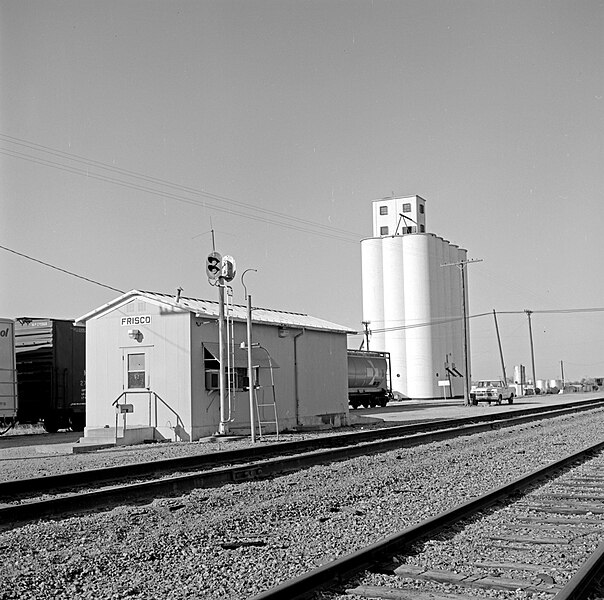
(129, 129)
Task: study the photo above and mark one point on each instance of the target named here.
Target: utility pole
(528, 314)
(462, 271)
(366, 325)
(562, 373)
(250, 370)
(505, 381)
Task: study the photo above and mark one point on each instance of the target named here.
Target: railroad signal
(214, 266)
(228, 268)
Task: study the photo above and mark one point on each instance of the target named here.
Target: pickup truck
(491, 390)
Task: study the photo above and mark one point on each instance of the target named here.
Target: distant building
(412, 302)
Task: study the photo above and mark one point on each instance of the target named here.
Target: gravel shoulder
(237, 540)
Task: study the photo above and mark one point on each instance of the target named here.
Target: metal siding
(323, 374)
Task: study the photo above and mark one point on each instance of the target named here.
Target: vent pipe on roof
(178, 292)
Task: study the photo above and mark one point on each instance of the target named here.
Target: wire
(60, 269)
(295, 223)
(172, 196)
(445, 321)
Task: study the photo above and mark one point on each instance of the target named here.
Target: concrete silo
(412, 302)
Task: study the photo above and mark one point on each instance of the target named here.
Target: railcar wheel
(77, 422)
(51, 424)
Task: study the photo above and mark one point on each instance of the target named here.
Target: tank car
(51, 363)
(368, 378)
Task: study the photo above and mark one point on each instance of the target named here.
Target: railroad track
(529, 537)
(31, 499)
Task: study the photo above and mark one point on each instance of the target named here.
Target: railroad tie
(390, 593)
(473, 581)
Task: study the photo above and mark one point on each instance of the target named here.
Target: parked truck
(491, 390)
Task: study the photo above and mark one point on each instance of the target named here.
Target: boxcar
(8, 373)
(51, 363)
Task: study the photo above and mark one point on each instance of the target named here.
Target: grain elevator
(412, 300)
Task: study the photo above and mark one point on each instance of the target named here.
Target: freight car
(369, 382)
(51, 363)
(8, 373)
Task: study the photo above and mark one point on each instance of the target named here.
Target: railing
(153, 399)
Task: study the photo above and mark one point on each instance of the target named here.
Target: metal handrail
(178, 419)
(151, 393)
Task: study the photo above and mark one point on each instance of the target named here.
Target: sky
(131, 129)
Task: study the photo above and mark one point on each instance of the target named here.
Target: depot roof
(209, 308)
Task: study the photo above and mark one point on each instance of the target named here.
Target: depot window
(422, 228)
(383, 230)
(421, 209)
(383, 210)
(407, 207)
(236, 367)
(136, 371)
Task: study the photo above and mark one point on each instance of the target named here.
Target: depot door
(136, 383)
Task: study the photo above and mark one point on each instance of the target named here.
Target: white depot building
(413, 303)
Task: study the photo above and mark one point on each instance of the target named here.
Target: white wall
(165, 343)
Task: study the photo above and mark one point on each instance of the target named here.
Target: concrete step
(104, 437)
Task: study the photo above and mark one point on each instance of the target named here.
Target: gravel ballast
(237, 540)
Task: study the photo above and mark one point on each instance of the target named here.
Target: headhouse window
(421, 209)
(383, 230)
(383, 210)
(422, 228)
(407, 207)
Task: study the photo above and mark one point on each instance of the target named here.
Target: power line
(172, 196)
(445, 321)
(60, 269)
(292, 222)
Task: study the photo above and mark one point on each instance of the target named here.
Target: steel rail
(346, 566)
(27, 510)
(580, 584)
(434, 431)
